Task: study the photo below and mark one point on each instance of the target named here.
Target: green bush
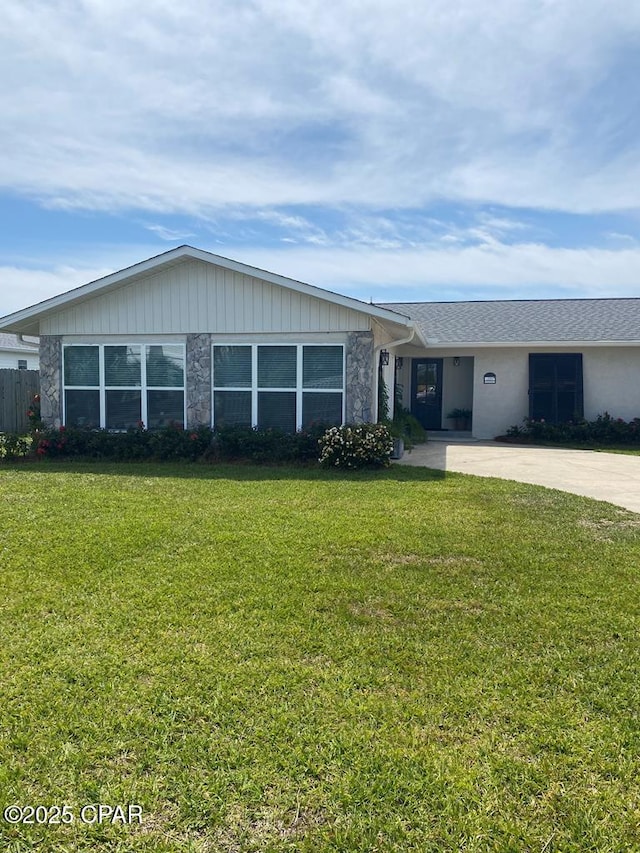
(603, 430)
(231, 443)
(405, 426)
(133, 445)
(360, 446)
(13, 445)
(175, 443)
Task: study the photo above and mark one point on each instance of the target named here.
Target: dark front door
(555, 387)
(426, 392)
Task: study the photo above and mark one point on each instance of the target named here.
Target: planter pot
(398, 448)
(461, 424)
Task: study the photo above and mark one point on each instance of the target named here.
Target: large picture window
(119, 386)
(278, 386)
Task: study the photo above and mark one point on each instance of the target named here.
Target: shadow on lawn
(222, 471)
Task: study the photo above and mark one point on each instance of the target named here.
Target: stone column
(51, 380)
(359, 379)
(198, 380)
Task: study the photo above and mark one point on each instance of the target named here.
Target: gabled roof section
(27, 320)
(525, 321)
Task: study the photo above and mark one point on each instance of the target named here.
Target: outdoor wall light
(456, 361)
(384, 357)
(399, 362)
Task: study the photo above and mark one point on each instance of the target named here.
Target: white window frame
(299, 389)
(143, 387)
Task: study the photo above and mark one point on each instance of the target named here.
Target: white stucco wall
(457, 386)
(611, 381)
(497, 407)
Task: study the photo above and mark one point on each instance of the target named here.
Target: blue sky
(450, 150)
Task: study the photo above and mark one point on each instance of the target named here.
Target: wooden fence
(17, 388)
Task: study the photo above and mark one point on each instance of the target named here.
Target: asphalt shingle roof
(518, 321)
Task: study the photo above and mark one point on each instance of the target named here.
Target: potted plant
(398, 447)
(461, 418)
(405, 430)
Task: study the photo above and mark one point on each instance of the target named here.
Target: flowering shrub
(33, 413)
(359, 446)
(137, 444)
(175, 443)
(603, 430)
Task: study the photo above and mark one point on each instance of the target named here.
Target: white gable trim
(31, 315)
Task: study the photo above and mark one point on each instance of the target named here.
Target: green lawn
(281, 660)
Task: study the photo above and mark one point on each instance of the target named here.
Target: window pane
(276, 367)
(277, 410)
(81, 366)
(82, 408)
(322, 367)
(122, 365)
(232, 408)
(165, 366)
(165, 408)
(123, 409)
(321, 409)
(232, 367)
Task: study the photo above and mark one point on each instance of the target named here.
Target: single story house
(194, 338)
(18, 354)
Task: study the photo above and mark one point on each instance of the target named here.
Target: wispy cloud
(207, 104)
(23, 286)
(364, 145)
(480, 271)
(171, 235)
(526, 270)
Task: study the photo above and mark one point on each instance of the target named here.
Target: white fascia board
(434, 344)
(27, 317)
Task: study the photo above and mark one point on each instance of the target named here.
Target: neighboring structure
(17, 354)
(194, 338)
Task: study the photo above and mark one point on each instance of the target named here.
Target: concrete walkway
(609, 477)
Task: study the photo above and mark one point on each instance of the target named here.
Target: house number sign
(489, 379)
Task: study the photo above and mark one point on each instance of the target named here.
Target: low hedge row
(603, 430)
(365, 445)
(174, 443)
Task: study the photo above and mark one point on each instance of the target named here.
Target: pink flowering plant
(356, 446)
(604, 430)
(33, 413)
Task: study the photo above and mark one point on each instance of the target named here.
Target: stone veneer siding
(51, 380)
(359, 379)
(198, 368)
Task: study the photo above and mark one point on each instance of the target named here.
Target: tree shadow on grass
(240, 471)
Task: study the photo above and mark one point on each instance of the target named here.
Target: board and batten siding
(194, 297)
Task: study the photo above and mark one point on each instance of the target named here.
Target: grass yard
(290, 660)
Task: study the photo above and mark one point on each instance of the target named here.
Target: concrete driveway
(609, 477)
